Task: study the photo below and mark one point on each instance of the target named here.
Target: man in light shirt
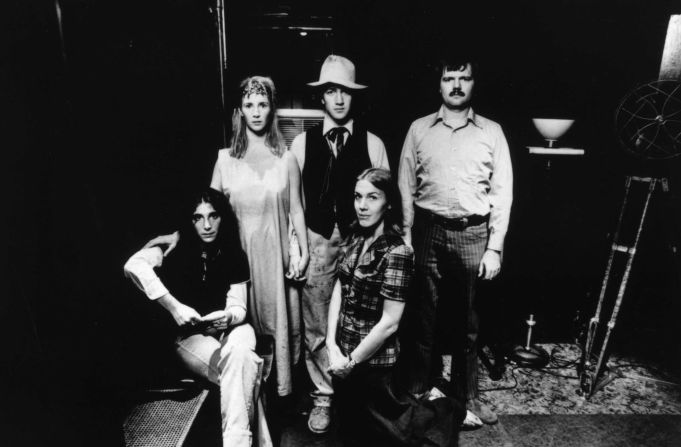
(331, 156)
(456, 182)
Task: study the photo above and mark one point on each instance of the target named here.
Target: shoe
(496, 371)
(435, 393)
(320, 417)
(471, 421)
(484, 412)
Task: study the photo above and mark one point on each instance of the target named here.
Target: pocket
(370, 277)
(477, 231)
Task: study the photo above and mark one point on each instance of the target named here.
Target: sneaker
(320, 417)
(484, 412)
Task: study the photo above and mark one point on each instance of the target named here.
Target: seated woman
(364, 315)
(203, 284)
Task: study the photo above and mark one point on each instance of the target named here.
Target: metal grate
(163, 419)
(295, 121)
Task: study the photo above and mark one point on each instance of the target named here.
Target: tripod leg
(586, 374)
(623, 284)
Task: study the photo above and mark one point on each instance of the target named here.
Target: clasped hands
(339, 365)
(218, 320)
(297, 267)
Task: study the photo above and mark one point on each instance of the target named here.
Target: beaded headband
(254, 87)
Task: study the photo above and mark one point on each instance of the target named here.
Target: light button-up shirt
(457, 172)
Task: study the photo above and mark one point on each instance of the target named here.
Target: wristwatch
(351, 364)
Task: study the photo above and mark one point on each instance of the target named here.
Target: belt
(458, 223)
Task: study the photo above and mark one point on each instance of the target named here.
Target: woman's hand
(219, 320)
(168, 240)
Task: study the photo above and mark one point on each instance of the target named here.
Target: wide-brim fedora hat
(337, 70)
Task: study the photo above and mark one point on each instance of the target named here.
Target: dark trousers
(447, 262)
(374, 411)
(358, 426)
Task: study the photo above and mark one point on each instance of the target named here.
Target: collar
(440, 115)
(377, 249)
(329, 124)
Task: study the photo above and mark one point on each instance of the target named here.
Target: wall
(112, 120)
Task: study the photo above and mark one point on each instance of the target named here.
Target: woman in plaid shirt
(364, 314)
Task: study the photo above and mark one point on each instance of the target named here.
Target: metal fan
(648, 120)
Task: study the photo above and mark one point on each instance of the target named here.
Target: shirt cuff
(155, 289)
(496, 241)
(238, 314)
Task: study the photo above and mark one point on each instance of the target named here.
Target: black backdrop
(113, 112)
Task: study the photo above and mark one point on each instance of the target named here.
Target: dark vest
(336, 205)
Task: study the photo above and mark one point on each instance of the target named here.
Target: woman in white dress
(262, 181)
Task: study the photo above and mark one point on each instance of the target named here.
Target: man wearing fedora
(456, 183)
(331, 155)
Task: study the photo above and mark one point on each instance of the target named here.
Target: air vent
(295, 121)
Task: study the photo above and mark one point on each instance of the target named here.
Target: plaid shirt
(383, 272)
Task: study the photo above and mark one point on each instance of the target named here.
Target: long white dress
(261, 201)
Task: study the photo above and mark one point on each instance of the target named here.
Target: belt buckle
(464, 222)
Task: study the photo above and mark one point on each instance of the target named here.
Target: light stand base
(534, 357)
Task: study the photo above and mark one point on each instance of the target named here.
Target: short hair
(457, 62)
(359, 97)
(273, 137)
(382, 179)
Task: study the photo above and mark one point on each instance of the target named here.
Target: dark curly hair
(228, 234)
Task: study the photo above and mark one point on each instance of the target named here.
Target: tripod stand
(592, 377)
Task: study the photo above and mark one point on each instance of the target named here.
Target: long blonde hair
(273, 138)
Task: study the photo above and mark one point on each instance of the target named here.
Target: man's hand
(185, 315)
(490, 265)
(169, 240)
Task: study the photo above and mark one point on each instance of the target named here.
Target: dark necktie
(337, 135)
